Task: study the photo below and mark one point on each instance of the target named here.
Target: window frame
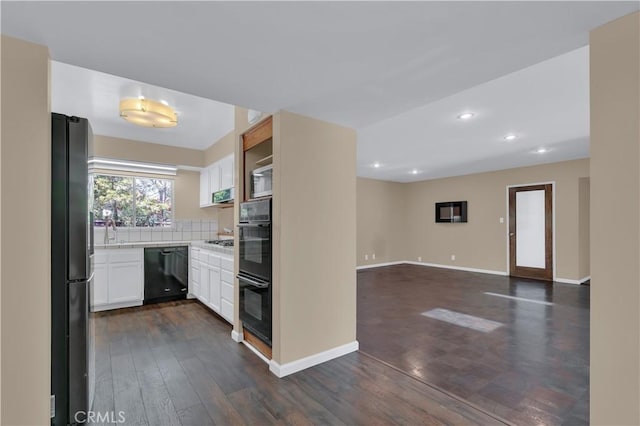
(133, 194)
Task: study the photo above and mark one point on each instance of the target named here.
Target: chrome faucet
(107, 237)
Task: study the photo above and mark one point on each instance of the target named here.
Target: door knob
(511, 234)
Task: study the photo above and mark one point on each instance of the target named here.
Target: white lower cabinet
(204, 283)
(118, 279)
(227, 293)
(125, 281)
(194, 272)
(211, 280)
(100, 290)
(214, 288)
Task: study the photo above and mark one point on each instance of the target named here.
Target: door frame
(553, 225)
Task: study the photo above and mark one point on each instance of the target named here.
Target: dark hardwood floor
(175, 364)
(532, 369)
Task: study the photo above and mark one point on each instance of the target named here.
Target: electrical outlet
(453, 257)
(502, 220)
(419, 258)
(366, 257)
(373, 256)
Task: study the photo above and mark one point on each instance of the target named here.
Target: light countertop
(143, 244)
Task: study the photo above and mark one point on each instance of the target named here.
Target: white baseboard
(458, 268)
(569, 281)
(464, 268)
(255, 351)
(237, 337)
(377, 265)
(310, 361)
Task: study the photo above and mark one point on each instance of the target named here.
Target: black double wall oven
(255, 236)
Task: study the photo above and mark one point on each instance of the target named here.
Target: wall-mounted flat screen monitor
(451, 211)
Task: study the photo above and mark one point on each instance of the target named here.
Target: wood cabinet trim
(258, 344)
(261, 132)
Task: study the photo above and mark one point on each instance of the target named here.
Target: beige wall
(187, 197)
(381, 221)
(314, 208)
(26, 206)
(223, 147)
(615, 240)
(241, 120)
(482, 242)
(127, 149)
(584, 217)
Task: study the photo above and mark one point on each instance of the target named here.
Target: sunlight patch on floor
(521, 299)
(462, 320)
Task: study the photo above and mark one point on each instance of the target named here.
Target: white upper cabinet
(215, 177)
(226, 172)
(205, 195)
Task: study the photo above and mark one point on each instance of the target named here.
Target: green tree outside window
(132, 201)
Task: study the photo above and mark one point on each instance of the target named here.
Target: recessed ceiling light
(414, 172)
(542, 150)
(465, 116)
(376, 165)
(509, 137)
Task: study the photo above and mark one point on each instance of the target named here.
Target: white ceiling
(353, 63)
(545, 106)
(96, 96)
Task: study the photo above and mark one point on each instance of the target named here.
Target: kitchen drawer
(195, 264)
(125, 255)
(203, 256)
(226, 276)
(226, 263)
(100, 257)
(226, 310)
(227, 291)
(214, 260)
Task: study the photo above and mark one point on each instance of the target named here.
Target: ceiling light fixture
(147, 113)
(541, 150)
(465, 116)
(509, 137)
(376, 165)
(414, 172)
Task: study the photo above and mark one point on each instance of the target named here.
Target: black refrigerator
(72, 328)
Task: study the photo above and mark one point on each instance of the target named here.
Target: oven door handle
(253, 225)
(252, 281)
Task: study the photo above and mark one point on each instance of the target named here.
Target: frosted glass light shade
(148, 113)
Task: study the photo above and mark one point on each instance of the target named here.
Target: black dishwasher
(166, 274)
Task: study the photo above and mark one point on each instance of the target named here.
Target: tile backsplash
(182, 230)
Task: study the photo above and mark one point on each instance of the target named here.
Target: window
(132, 201)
